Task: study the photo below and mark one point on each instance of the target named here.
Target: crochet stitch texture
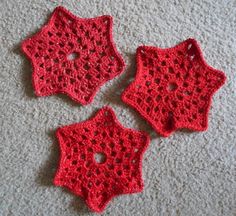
(73, 55)
(173, 87)
(118, 172)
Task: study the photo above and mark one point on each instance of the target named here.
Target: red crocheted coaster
(72, 55)
(117, 171)
(173, 87)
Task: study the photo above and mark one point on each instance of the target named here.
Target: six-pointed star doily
(173, 87)
(117, 171)
(73, 55)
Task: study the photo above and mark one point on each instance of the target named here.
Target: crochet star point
(173, 87)
(73, 55)
(117, 172)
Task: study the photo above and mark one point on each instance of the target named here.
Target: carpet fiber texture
(188, 173)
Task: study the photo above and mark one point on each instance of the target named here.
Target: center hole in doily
(172, 86)
(100, 157)
(73, 56)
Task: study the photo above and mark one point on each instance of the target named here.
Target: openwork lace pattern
(173, 87)
(100, 159)
(73, 55)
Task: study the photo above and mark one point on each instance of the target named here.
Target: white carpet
(185, 174)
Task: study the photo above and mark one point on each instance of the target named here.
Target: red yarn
(119, 171)
(173, 87)
(72, 55)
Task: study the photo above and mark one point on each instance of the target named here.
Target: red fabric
(119, 173)
(72, 55)
(173, 87)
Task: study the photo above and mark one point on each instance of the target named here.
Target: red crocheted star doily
(72, 55)
(119, 170)
(173, 87)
